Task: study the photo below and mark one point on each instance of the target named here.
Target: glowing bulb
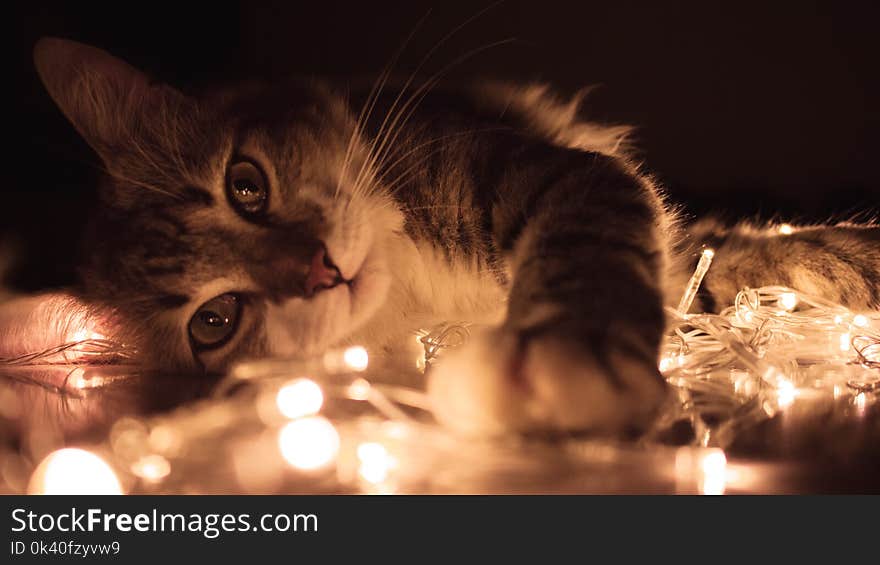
(302, 397)
(84, 334)
(838, 319)
(356, 358)
(788, 301)
(786, 229)
(845, 341)
(77, 378)
(309, 443)
(359, 389)
(74, 471)
(666, 364)
(375, 462)
(687, 299)
(860, 402)
(785, 393)
(714, 468)
(152, 468)
(860, 321)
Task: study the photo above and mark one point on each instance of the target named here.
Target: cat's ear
(102, 96)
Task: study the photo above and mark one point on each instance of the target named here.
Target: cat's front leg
(577, 351)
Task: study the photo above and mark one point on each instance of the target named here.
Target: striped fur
(495, 204)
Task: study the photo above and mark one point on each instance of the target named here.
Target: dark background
(744, 109)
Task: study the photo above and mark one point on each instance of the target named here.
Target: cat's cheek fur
(497, 385)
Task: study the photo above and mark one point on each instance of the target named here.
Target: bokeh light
(788, 301)
(375, 462)
(309, 443)
(74, 471)
(356, 358)
(152, 468)
(301, 397)
(714, 470)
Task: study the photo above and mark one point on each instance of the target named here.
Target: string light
(785, 229)
(85, 334)
(359, 389)
(845, 341)
(310, 443)
(714, 472)
(741, 365)
(375, 462)
(785, 393)
(301, 397)
(696, 280)
(788, 301)
(152, 468)
(356, 358)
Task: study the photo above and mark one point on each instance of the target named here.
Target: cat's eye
(215, 321)
(246, 188)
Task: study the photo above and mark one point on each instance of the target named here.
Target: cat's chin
(304, 327)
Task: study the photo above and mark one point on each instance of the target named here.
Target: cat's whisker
(373, 97)
(373, 153)
(141, 184)
(429, 84)
(439, 207)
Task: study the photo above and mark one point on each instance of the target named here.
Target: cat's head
(236, 224)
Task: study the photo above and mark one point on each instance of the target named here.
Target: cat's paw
(501, 383)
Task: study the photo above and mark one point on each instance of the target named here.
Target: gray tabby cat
(275, 220)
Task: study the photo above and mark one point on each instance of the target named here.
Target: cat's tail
(839, 262)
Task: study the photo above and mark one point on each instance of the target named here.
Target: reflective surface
(157, 437)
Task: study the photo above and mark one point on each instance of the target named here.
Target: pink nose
(323, 274)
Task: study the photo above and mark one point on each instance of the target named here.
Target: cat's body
(273, 220)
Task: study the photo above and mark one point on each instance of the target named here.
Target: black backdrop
(750, 109)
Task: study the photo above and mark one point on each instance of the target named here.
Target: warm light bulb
(860, 401)
(301, 397)
(845, 341)
(785, 393)
(788, 301)
(359, 389)
(84, 334)
(860, 320)
(375, 462)
(152, 468)
(786, 229)
(74, 471)
(356, 358)
(309, 443)
(77, 379)
(714, 469)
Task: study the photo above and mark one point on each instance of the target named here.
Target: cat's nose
(323, 273)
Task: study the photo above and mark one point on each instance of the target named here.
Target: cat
(286, 218)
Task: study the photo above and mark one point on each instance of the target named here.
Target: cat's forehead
(284, 108)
